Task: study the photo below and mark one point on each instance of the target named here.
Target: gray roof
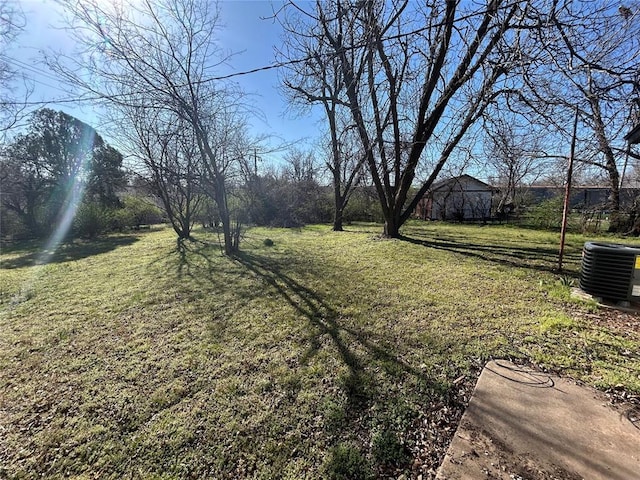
(443, 183)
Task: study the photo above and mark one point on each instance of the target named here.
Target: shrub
(547, 214)
(138, 211)
(591, 221)
(12, 227)
(91, 220)
(363, 206)
(121, 218)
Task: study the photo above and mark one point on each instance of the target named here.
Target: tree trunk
(228, 239)
(337, 219)
(392, 224)
(338, 203)
(178, 227)
(610, 166)
(225, 220)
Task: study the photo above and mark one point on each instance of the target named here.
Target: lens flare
(73, 195)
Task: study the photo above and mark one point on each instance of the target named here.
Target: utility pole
(567, 192)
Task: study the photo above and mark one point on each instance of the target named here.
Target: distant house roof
(634, 135)
(562, 187)
(456, 180)
(578, 187)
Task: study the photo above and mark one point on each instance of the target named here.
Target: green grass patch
(553, 323)
(316, 354)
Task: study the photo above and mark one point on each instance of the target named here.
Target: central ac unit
(611, 271)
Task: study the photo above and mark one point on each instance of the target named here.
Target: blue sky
(247, 31)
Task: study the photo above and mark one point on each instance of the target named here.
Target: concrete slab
(526, 425)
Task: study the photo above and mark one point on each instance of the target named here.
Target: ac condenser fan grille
(608, 270)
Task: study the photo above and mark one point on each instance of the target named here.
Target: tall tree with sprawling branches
(161, 56)
(589, 64)
(416, 77)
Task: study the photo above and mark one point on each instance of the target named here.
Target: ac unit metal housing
(611, 271)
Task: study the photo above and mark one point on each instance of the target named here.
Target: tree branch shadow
(542, 259)
(70, 251)
(205, 272)
(328, 322)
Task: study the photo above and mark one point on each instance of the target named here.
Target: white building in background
(462, 198)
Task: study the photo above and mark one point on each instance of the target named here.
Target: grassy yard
(325, 355)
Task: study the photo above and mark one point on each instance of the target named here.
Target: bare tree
(417, 77)
(319, 80)
(12, 108)
(301, 192)
(161, 56)
(345, 163)
(592, 63)
(513, 154)
(171, 162)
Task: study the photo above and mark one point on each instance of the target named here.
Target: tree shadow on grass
(327, 321)
(207, 271)
(68, 251)
(320, 315)
(358, 386)
(377, 387)
(542, 259)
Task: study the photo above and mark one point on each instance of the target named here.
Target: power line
(20, 64)
(120, 95)
(40, 82)
(98, 96)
